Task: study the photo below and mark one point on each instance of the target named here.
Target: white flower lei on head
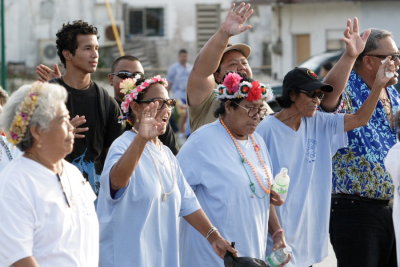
(131, 91)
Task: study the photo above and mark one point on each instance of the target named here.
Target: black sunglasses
(162, 103)
(128, 75)
(394, 56)
(313, 94)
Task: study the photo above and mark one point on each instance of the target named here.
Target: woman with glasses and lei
(47, 213)
(143, 191)
(228, 166)
(304, 140)
(392, 164)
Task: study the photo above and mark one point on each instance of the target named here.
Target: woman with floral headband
(47, 215)
(143, 192)
(228, 167)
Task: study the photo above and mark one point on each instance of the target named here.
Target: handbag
(232, 261)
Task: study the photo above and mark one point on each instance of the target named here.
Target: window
(147, 22)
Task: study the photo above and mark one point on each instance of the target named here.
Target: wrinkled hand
(235, 19)
(280, 242)
(46, 74)
(221, 246)
(151, 124)
(386, 69)
(275, 199)
(355, 43)
(76, 122)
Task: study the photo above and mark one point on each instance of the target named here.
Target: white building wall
(314, 19)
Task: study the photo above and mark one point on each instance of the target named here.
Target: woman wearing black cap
(303, 139)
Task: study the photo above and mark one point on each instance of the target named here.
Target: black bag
(232, 261)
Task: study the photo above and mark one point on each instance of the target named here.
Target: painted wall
(317, 19)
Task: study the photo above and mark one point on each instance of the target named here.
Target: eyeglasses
(162, 103)
(127, 74)
(253, 111)
(393, 56)
(313, 94)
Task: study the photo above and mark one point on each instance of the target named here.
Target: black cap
(303, 79)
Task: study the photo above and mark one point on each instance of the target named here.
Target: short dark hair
(284, 100)
(67, 36)
(182, 51)
(126, 57)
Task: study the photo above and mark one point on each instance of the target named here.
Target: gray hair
(48, 101)
(372, 43)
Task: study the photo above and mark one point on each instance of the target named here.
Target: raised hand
(355, 43)
(386, 72)
(46, 74)
(151, 124)
(237, 16)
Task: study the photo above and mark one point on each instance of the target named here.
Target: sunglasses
(162, 103)
(128, 75)
(313, 94)
(393, 56)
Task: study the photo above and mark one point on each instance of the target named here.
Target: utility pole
(3, 47)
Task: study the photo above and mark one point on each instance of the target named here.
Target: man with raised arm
(216, 58)
(361, 225)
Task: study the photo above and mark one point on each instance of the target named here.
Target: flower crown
(233, 86)
(23, 116)
(131, 91)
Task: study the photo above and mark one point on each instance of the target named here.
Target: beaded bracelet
(211, 231)
(280, 230)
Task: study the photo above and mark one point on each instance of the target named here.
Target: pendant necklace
(164, 195)
(244, 159)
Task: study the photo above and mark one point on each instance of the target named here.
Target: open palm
(150, 127)
(237, 16)
(355, 43)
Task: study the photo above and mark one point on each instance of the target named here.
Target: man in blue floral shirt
(361, 226)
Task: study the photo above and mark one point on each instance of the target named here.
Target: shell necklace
(164, 195)
(245, 159)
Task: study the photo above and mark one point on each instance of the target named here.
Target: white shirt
(138, 228)
(36, 221)
(221, 181)
(307, 153)
(392, 164)
(7, 152)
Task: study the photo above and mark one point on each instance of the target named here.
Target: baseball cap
(243, 48)
(303, 79)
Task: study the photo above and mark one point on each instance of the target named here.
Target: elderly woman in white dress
(228, 166)
(143, 191)
(47, 215)
(392, 164)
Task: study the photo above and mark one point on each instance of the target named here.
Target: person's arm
(362, 116)
(339, 74)
(149, 129)
(26, 262)
(201, 223)
(46, 74)
(277, 233)
(201, 81)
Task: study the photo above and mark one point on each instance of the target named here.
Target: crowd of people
(87, 179)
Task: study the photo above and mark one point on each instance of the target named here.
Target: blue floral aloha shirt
(359, 169)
